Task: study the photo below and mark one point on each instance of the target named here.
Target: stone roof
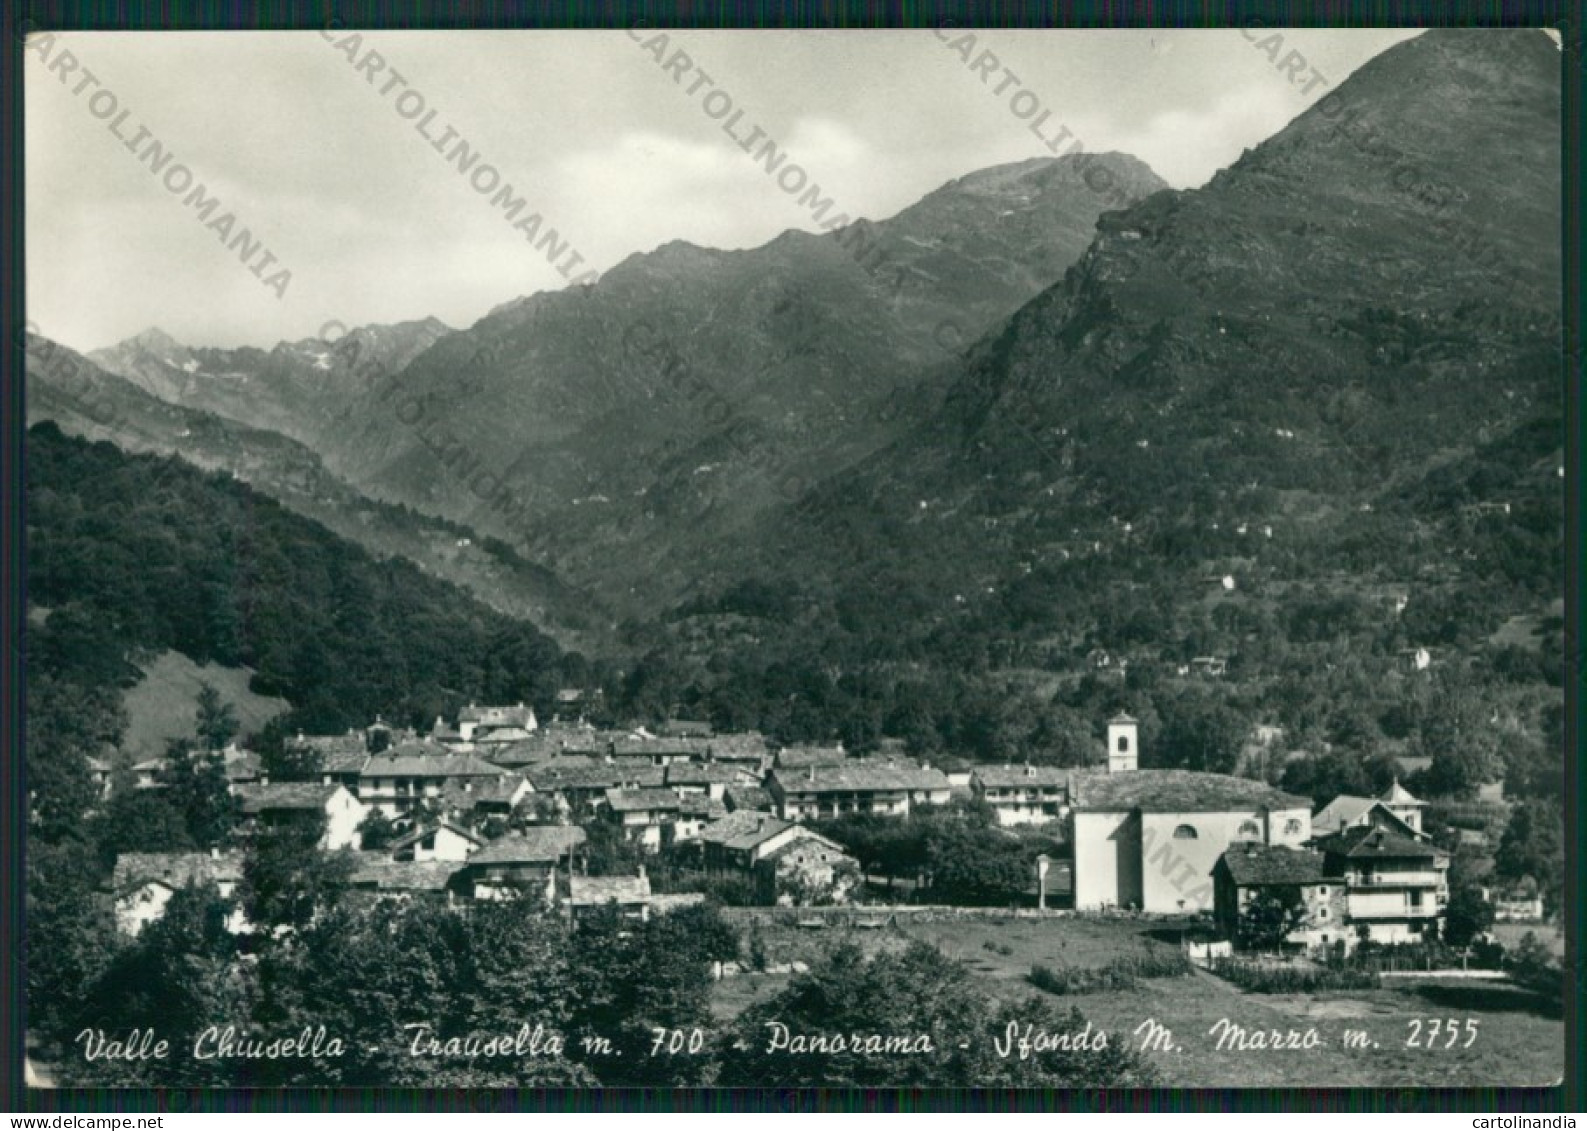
(1176, 791)
(1342, 811)
(747, 746)
(801, 756)
(417, 834)
(174, 869)
(799, 846)
(517, 715)
(257, 798)
(640, 800)
(860, 777)
(594, 775)
(427, 760)
(746, 798)
(483, 791)
(541, 844)
(343, 761)
(684, 728)
(596, 891)
(1256, 865)
(1009, 776)
(1368, 843)
(637, 746)
(700, 773)
(377, 870)
(743, 829)
(503, 735)
(326, 744)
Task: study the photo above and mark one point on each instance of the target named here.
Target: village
(496, 806)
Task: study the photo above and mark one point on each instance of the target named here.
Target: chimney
(1030, 771)
(641, 871)
(214, 853)
(810, 773)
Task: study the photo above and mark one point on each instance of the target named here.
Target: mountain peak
(153, 338)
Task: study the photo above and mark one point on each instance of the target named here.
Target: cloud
(1186, 147)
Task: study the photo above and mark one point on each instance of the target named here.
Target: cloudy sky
(330, 178)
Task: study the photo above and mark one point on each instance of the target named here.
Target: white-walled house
(143, 883)
(1022, 795)
(442, 841)
(283, 802)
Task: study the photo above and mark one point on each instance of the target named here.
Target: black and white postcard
(805, 559)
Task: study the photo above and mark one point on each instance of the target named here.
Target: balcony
(1427, 879)
(1385, 907)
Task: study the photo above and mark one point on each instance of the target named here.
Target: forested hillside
(129, 556)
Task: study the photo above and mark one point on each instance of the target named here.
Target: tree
(920, 996)
(1454, 731)
(71, 938)
(1267, 921)
(1201, 732)
(179, 977)
(1532, 965)
(198, 787)
(215, 722)
(376, 831)
(139, 820)
(287, 878)
(1468, 914)
(1533, 845)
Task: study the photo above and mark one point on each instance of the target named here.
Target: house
(695, 812)
(1396, 810)
(474, 722)
(142, 883)
(500, 738)
(1100, 659)
(1395, 885)
(824, 791)
(147, 774)
(807, 870)
(645, 815)
(1148, 839)
(746, 748)
(377, 874)
(521, 862)
(573, 702)
(282, 803)
(99, 772)
(242, 767)
(1415, 659)
(1249, 869)
(589, 895)
(442, 841)
(658, 751)
(1022, 795)
(738, 841)
(330, 759)
(1209, 667)
(706, 778)
(401, 778)
(1522, 903)
(802, 757)
(684, 728)
(584, 781)
(473, 799)
(739, 798)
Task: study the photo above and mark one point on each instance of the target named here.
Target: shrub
(1120, 974)
(1261, 978)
